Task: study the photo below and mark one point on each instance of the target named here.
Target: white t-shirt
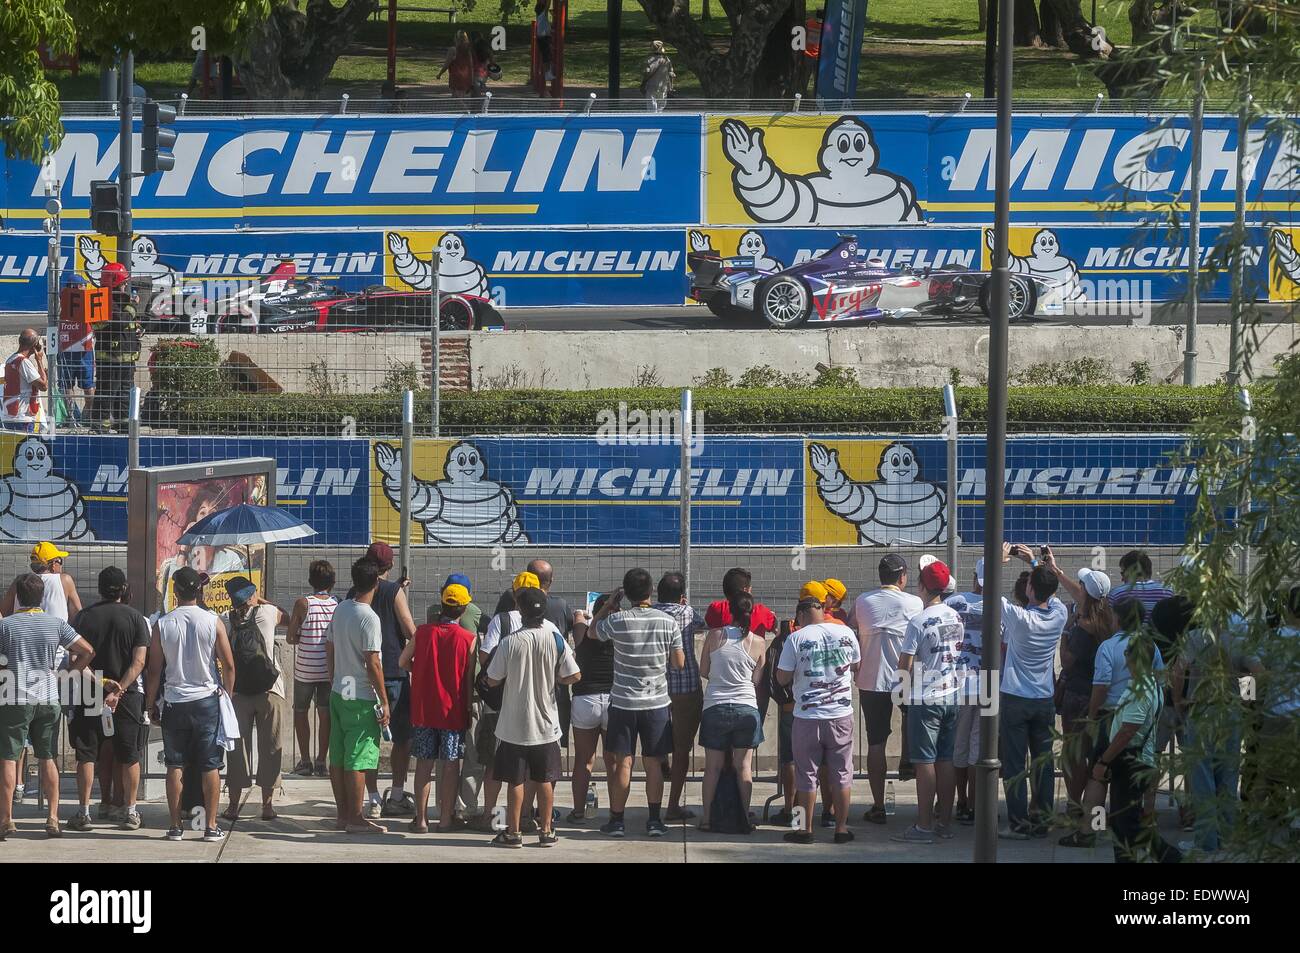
(881, 617)
(822, 657)
(1031, 635)
(188, 638)
(528, 663)
(493, 634)
(970, 607)
(933, 639)
(1110, 667)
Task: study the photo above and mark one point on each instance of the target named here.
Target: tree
(289, 53)
(1058, 23)
(729, 74)
(29, 103)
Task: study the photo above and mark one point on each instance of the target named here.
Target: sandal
(52, 829)
(418, 828)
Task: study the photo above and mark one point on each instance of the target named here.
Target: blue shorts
(399, 707)
(76, 369)
(189, 731)
(931, 732)
(654, 728)
(437, 744)
(730, 726)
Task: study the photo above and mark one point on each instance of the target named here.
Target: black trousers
(112, 389)
(1128, 783)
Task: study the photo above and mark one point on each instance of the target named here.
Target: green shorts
(40, 723)
(354, 734)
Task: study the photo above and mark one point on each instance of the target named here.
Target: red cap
(113, 275)
(935, 576)
(382, 554)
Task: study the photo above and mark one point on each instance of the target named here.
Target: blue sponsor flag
(841, 46)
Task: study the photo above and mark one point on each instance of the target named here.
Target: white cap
(979, 571)
(1094, 582)
(951, 587)
(925, 560)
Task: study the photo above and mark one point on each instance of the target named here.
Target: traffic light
(105, 209)
(156, 138)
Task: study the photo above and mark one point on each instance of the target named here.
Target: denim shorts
(189, 731)
(730, 726)
(931, 732)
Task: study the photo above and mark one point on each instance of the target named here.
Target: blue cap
(458, 579)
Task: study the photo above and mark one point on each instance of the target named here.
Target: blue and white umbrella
(246, 525)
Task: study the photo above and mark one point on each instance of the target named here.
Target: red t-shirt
(438, 676)
(762, 621)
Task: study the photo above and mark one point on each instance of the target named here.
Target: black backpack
(255, 671)
(727, 813)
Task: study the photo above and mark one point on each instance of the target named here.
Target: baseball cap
(893, 563)
(979, 571)
(835, 588)
(240, 589)
(935, 575)
(47, 552)
(925, 560)
(530, 599)
(525, 580)
(1094, 582)
(455, 595)
(188, 581)
(381, 554)
(812, 591)
(112, 580)
(458, 579)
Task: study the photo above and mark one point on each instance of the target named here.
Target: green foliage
(1080, 372)
(1139, 372)
(29, 103)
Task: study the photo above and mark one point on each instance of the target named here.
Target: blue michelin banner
(624, 491)
(840, 49)
(352, 171)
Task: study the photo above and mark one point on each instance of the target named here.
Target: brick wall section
(453, 362)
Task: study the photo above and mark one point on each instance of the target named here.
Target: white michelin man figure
(456, 273)
(849, 189)
(36, 502)
(1045, 261)
(1285, 254)
(751, 245)
(465, 508)
(144, 264)
(897, 507)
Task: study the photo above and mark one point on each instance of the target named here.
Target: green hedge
(725, 409)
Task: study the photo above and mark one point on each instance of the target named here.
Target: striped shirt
(1146, 591)
(309, 661)
(643, 638)
(683, 681)
(30, 641)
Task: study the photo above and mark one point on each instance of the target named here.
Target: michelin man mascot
(1286, 256)
(751, 245)
(895, 508)
(145, 263)
(36, 502)
(465, 508)
(456, 273)
(848, 189)
(1045, 261)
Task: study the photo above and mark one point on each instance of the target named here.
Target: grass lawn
(889, 69)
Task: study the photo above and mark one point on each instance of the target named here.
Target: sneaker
(843, 837)
(374, 810)
(781, 818)
(175, 833)
(507, 839)
(798, 837)
(655, 827)
(19, 793)
(302, 769)
(828, 820)
(402, 806)
(130, 821)
(319, 770)
(213, 835)
(1015, 832)
(547, 839)
(613, 828)
(943, 831)
(914, 835)
(80, 822)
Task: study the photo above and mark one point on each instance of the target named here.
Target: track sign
(156, 139)
(105, 209)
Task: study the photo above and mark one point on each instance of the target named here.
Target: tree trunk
(721, 75)
(774, 78)
(290, 54)
(1028, 29)
(1074, 28)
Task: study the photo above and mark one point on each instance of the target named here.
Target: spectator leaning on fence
(1030, 636)
(189, 641)
(120, 637)
(308, 620)
(30, 642)
(881, 617)
(969, 607)
(685, 696)
(441, 661)
(1139, 583)
(646, 641)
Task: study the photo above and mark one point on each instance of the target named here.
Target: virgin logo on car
(829, 305)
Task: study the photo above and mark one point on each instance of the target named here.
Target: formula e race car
(841, 286)
(284, 302)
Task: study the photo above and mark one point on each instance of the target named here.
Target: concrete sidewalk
(304, 832)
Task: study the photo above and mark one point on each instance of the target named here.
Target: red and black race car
(284, 302)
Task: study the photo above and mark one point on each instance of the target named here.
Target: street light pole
(1194, 229)
(989, 765)
(1239, 234)
(125, 155)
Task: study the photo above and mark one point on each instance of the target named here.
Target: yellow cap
(525, 580)
(835, 588)
(455, 595)
(812, 592)
(47, 552)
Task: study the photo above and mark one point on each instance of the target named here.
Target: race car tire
(785, 302)
(1022, 298)
(457, 314)
(722, 308)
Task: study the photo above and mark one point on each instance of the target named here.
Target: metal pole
(1239, 234)
(125, 156)
(990, 50)
(685, 494)
(408, 465)
(614, 17)
(989, 766)
(435, 352)
(133, 430)
(1194, 229)
(1247, 446)
(950, 434)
